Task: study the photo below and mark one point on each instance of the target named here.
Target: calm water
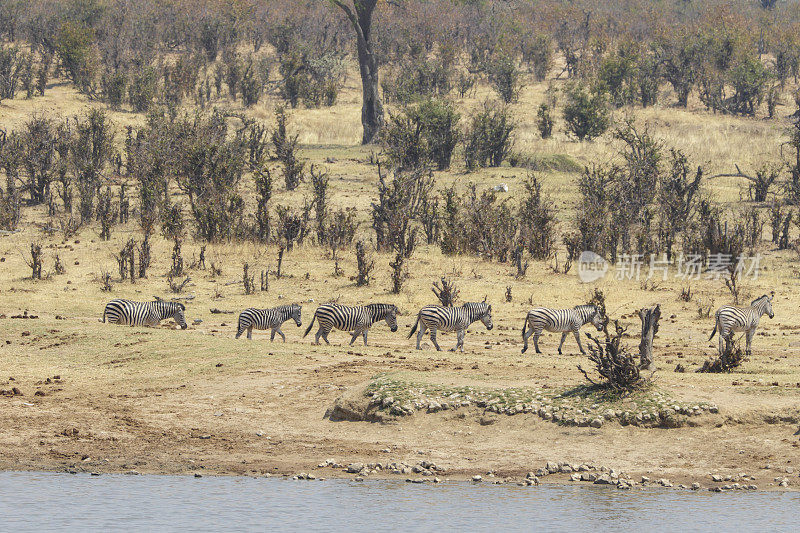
(59, 502)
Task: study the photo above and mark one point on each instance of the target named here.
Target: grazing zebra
(559, 320)
(129, 313)
(356, 319)
(458, 319)
(268, 319)
(730, 319)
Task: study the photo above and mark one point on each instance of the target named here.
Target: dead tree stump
(649, 317)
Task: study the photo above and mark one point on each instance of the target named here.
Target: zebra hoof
(524, 350)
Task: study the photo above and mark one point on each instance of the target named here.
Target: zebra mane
(171, 305)
(587, 307)
(481, 308)
(380, 310)
(754, 302)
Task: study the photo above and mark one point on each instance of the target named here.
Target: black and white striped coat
(129, 313)
(357, 319)
(458, 319)
(559, 320)
(273, 319)
(729, 319)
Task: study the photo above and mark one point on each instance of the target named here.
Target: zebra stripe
(273, 319)
(458, 319)
(130, 313)
(559, 320)
(358, 319)
(730, 319)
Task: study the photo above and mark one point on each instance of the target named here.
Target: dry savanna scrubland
(97, 397)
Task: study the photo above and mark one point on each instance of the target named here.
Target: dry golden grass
(144, 394)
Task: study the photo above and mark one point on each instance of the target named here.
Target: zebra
(458, 319)
(358, 319)
(268, 319)
(560, 320)
(729, 319)
(130, 313)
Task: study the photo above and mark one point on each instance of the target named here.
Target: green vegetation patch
(578, 406)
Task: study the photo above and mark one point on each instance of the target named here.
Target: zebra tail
(310, 325)
(104, 314)
(524, 325)
(713, 332)
(414, 329)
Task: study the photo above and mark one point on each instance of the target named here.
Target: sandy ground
(136, 404)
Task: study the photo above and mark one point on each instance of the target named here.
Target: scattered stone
(575, 477)
(477, 478)
(596, 423)
(198, 475)
(716, 478)
(695, 486)
(355, 468)
(603, 479)
(552, 467)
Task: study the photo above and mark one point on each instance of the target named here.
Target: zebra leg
(563, 338)
(536, 335)
(318, 335)
(578, 339)
(749, 338)
(433, 340)
(365, 337)
(250, 333)
(722, 342)
(355, 335)
(459, 341)
(278, 329)
(420, 334)
(325, 336)
(525, 336)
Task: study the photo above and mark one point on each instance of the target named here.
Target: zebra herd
(358, 319)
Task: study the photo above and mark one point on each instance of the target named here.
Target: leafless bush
(398, 199)
(446, 291)
(247, 280)
(36, 260)
(615, 365)
(365, 265)
(731, 358)
(105, 282)
(686, 294)
(339, 234)
(91, 151)
(263, 180)
(175, 285)
(286, 151)
(319, 182)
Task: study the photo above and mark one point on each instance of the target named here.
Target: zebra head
(387, 312)
(178, 316)
(598, 320)
(763, 305)
(296, 311)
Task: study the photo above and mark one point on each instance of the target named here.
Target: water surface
(62, 502)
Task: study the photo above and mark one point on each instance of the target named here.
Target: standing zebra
(358, 320)
(730, 319)
(458, 319)
(129, 313)
(268, 319)
(559, 320)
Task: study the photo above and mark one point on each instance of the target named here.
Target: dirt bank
(127, 400)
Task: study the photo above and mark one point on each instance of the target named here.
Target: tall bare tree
(360, 16)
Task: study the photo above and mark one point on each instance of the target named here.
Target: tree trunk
(649, 317)
(371, 107)
(360, 17)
